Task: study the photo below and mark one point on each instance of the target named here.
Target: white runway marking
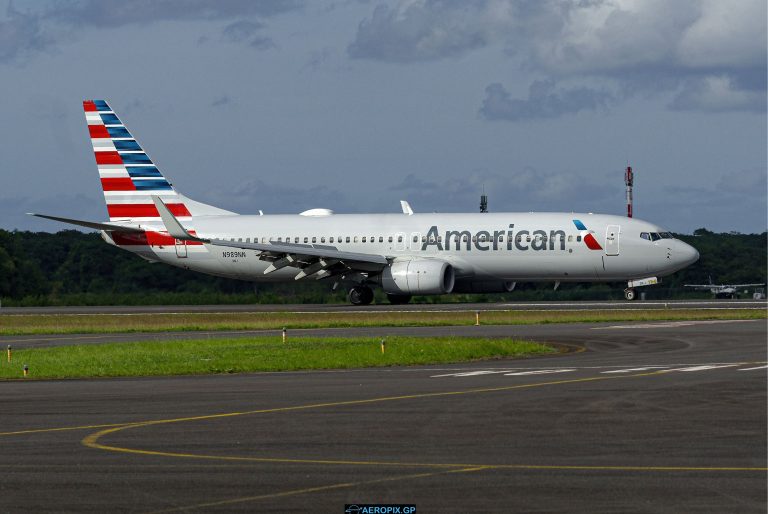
(661, 368)
(702, 368)
(631, 370)
(758, 367)
(674, 324)
(538, 372)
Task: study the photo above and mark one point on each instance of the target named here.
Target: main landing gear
(630, 294)
(360, 295)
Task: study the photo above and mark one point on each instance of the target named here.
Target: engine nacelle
(418, 276)
(484, 286)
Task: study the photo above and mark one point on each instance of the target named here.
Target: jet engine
(418, 276)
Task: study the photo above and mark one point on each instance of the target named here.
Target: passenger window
(399, 239)
(331, 240)
(314, 239)
(578, 239)
(415, 239)
(347, 240)
(363, 239)
(501, 239)
(247, 239)
(322, 239)
(465, 238)
(528, 239)
(439, 239)
(355, 239)
(389, 239)
(373, 239)
(474, 239)
(306, 240)
(381, 239)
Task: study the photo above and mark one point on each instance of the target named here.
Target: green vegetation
(106, 323)
(75, 268)
(256, 354)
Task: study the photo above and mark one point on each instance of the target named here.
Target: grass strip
(213, 356)
(32, 324)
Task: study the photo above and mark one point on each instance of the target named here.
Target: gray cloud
(544, 101)
(716, 94)
(247, 32)
(21, 33)
(418, 31)
(250, 196)
(525, 189)
(221, 101)
(13, 211)
(737, 195)
(36, 30)
(649, 47)
(113, 13)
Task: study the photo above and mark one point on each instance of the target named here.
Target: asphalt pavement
(640, 417)
(411, 307)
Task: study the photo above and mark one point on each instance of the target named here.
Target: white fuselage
(495, 247)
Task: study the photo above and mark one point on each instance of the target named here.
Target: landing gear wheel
(630, 294)
(360, 295)
(398, 299)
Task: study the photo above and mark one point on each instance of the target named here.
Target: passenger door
(612, 233)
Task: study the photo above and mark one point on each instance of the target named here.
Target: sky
(351, 105)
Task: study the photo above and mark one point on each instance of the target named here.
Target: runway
(413, 307)
(642, 417)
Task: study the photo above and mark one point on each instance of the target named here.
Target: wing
(747, 285)
(311, 260)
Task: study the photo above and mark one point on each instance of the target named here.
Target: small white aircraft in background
(722, 290)
(404, 254)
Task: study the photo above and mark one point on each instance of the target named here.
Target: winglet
(406, 207)
(172, 225)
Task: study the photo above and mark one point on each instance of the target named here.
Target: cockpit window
(655, 236)
(666, 235)
(645, 235)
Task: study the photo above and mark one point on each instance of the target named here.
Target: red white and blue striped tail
(128, 176)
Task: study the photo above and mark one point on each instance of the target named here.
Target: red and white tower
(628, 180)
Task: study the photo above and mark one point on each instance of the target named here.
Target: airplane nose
(688, 254)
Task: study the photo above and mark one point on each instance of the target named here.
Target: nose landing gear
(629, 294)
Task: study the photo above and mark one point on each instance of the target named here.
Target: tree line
(76, 268)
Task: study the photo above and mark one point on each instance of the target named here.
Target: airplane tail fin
(128, 176)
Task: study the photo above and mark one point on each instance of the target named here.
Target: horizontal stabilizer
(113, 227)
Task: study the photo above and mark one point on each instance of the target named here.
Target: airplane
(404, 254)
(722, 290)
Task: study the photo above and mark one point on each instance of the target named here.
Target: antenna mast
(483, 201)
(629, 179)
